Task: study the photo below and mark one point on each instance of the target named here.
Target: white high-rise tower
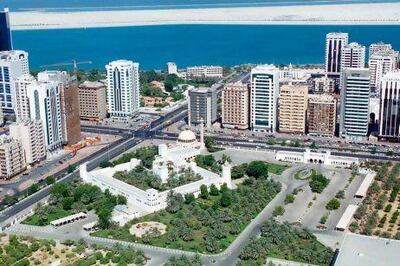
(13, 64)
(123, 88)
(335, 41)
(353, 55)
(380, 63)
(264, 98)
(355, 94)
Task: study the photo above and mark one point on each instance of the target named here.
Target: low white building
(178, 157)
(309, 156)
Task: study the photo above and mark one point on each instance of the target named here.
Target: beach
(349, 14)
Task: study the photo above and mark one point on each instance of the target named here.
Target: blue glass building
(5, 32)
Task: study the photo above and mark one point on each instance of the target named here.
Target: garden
(207, 224)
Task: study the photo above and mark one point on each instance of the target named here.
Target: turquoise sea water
(77, 5)
(153, 46)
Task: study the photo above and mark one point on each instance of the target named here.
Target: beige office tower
(293, 108)
(31, 135)
(321, 115)
(92, 101)
(236, 105)
(12, 157)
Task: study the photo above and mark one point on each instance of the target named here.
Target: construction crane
(73, 63)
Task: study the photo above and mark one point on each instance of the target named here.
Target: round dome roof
(187, 136)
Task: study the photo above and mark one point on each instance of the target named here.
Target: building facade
(92, 101)
(293, 108)
(22, 109)
(321, 115)
(264, 98)
(335, 41)
(354, 111)
(202, 106)
(70, 114)
(45, 104)
(323, 85)
(123, 88)
(380, 63)
(205, 72)
(236, 105)
(5, 31)
(13, 64)
(389, 115)
(353, 55)
(12, 157)
(31, 135)
(377, 47)
(172, 68)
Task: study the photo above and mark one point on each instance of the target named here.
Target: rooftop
(359, 250)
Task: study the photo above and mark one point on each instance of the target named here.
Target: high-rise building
(12, 157)
(292, 108)
(22, 109)
(236, 105)
(45, 104)
(389, 115)
(70, 113)
(378, 47)
(335, 41)
(380, 63)
(5, 32)
(353, 55)
(69, 104)
(321, 115)
(13, 64)
(354, 113)
(323, 85)
(123, 88)
(202, 106)
(92, 101)
(172, 68)
(264, 98)
(1, 118)
(205, 72)
(31, 135)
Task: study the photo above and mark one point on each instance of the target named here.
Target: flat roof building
(264, 98)
(92, 101)
(335, 41)
(389, 116)
(236, 105)
(202, 106)
(321, 115)
(205, 72)
(354, 112)
(31, 135)
(12, 157)
(293, 108)
(5, 31)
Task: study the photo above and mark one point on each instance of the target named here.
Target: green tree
(257, 169)
(278, 211)
(289, 198)
(189, 198)
(50, 180)
(214, 190)
(226, 199)
(333, 204)
(203, 192)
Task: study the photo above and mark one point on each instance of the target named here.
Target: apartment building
(12, 157)
(293, 108)
(236, 105)
(321, 115)
(92, 101)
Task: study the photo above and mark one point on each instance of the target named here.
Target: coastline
(350, 14)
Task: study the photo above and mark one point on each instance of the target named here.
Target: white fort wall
(151, 200)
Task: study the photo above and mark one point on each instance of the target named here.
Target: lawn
(205, 226)
(276, 169)
(55, 214)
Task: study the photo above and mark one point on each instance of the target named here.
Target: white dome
(187, 136)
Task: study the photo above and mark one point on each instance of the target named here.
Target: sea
(227, 45)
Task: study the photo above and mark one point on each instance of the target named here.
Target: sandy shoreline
(351, 14)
